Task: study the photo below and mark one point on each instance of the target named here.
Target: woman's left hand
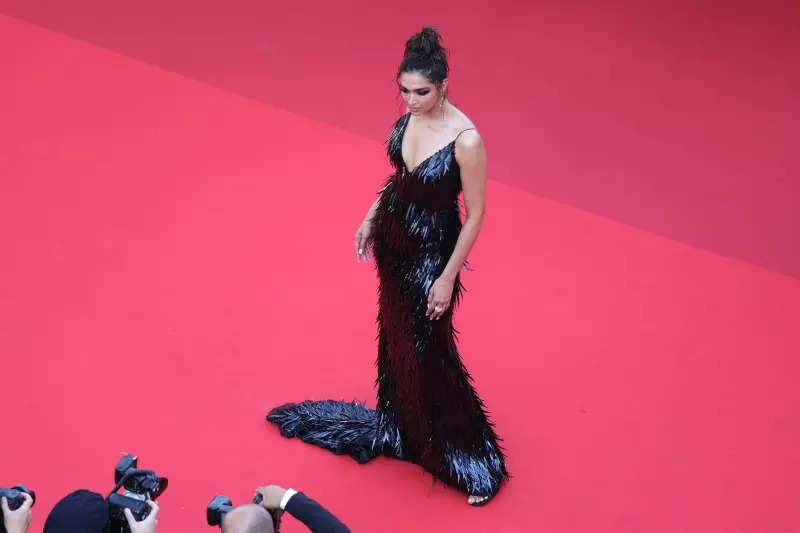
(439, 298)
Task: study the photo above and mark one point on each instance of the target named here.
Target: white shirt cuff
(286, 496)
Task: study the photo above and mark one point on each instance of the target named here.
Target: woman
(427, 410)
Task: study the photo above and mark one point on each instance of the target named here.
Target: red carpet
(177, 259)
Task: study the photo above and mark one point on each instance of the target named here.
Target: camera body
(220, 506)
(139, 485)
(15, 500)
(217, 509)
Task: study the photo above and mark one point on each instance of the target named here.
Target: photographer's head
(250, 518)
(81, 510)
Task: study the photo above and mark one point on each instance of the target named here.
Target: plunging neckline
(403, 158)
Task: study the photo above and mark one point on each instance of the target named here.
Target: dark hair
(426, 55)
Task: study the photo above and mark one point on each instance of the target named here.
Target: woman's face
(420, 93)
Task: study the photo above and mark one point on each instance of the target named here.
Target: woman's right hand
(363, 241)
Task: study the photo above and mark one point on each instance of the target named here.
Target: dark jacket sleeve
(313, 515)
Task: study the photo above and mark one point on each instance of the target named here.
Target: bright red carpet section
(177, 259)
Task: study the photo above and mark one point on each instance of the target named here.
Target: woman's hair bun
(424, 43)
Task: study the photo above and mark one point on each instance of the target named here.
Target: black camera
(221, 505)
(15, 499)
(139, 485)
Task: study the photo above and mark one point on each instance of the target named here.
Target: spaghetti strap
(460, 132)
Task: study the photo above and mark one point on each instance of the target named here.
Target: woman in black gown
(427, 410)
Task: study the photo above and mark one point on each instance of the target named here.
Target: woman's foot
(477, 500)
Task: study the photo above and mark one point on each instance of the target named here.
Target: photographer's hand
(272, 496)
(148, 525)
(19, 520)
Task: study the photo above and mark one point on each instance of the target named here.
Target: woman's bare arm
(363, 236)
(372, 209)
(471, 157)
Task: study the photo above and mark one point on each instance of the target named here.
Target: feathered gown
(427, 410)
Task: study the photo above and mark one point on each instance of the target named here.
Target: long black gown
(427, 410)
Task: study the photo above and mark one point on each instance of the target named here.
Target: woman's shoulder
(401, 119)
(465, 131)
(467, 140)
(461, 123)
(395, 133)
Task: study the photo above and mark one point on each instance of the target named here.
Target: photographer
(88, 512)
(254, 518)
(18, 520)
